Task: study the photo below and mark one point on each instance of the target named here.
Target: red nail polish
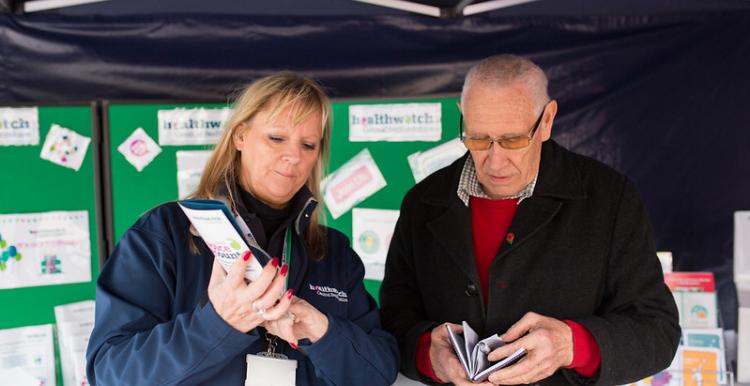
(289, 294)
(275, 262)
(284, 269)
(294, 346)
(246, 256)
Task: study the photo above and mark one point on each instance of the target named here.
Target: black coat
(583, 250)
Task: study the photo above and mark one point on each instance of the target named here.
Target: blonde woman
(168, 314)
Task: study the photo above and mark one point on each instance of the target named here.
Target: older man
(550, 249)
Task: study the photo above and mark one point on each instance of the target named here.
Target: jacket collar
(559, 177)
(303, 204)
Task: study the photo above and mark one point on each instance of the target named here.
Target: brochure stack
(701, 356)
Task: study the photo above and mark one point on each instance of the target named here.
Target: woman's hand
(243, 305)
(302, 321)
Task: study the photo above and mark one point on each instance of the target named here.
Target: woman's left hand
(301, 321)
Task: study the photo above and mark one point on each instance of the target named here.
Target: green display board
(31, 184)
(391, 158)
(135, 192)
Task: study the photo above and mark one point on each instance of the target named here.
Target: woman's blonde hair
(275, 94)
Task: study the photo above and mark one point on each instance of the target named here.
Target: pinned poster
(65, 147)
(395, 122)
(27, 356)
(75, 321)
(19, 126)
(352, 183)
(139, 149)
(197, 126)
(424, 163)
(372, 230)
(44, 249)
(190, 165)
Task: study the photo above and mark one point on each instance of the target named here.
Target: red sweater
(490, 220)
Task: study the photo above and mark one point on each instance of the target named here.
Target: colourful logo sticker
(699, 311)
(369, 241)
(139, 148)
(8, 252)
(234, 244)
(51, 265)
(64, 148)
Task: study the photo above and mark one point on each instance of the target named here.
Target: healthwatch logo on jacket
(329, 292)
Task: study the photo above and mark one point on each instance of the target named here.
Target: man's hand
(549, 346)
(444, 361)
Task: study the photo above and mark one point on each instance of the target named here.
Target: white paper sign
(352, 183)
(139, 149)
(44, 249)
(19, 126)
(75, 321)
(65, 147)
(198, 126)
(190, 165)
(424, 163)
(395, 122)
(27, 356)
(372, 230)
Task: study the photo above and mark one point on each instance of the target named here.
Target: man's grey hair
(506, 69)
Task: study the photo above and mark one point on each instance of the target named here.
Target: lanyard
(286, 254)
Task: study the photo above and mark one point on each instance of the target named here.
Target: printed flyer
(44, 248)
(372, 230)
(352, 183)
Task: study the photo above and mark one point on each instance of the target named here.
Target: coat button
(471, 290)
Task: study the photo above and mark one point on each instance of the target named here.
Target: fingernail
(275, 262)
(289, 294)
(246, 255)
(294, 346)
(284, 269)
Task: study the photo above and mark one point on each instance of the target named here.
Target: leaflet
(65, 147)
(139, 149)
(424, 163)
(222, 234)
(27, 356)
(473, 353)
(44, 248)
(372, 230)
(352, 183)
(190, 165)
(75, 321)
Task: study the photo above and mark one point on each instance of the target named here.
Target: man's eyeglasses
(510, 142)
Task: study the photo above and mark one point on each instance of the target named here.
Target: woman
(167, 313)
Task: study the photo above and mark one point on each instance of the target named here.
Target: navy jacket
(153, 326)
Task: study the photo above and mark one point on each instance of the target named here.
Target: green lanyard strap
(286, 255)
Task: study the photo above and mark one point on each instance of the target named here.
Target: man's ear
(548, 120)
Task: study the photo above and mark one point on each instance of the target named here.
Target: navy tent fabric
(660, 98)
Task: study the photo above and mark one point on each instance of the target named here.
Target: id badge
(265, 370)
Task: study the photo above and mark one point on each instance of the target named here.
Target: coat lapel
(452, 230)
(532, 214)
(558, 180)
